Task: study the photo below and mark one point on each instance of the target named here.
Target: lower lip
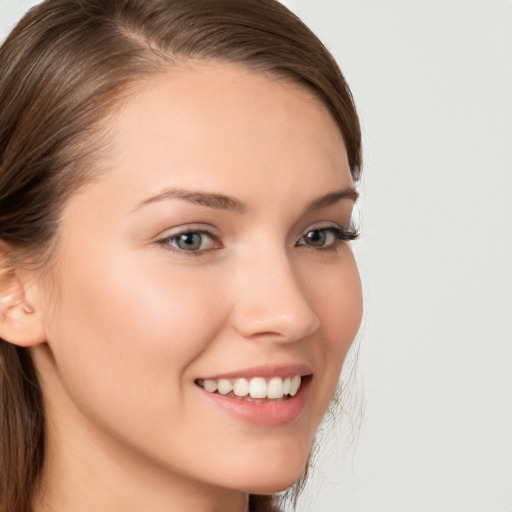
(269, 413)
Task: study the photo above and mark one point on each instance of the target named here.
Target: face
(211, 253)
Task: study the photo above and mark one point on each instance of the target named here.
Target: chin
(274, 475)
(272, 486)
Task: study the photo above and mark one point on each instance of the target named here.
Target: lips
(266, 396)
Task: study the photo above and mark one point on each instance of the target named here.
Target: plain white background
(433, 84)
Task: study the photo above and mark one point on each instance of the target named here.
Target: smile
(266, 396)
(256, 388)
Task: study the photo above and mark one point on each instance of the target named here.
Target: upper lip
(282, 370)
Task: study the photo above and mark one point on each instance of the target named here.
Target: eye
(322, 237)
(191, 241)
(326, 237)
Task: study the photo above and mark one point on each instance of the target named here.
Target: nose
(271, 302)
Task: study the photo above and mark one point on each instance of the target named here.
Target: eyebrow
(223, 202)
(215, 201)
(331, 198)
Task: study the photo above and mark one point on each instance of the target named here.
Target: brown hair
(63, 68)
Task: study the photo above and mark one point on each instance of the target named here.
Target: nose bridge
(271, 301)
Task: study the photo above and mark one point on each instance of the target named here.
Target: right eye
(191, 241)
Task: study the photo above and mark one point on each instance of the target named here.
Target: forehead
(218, 122)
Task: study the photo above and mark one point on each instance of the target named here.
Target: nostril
(277, 327)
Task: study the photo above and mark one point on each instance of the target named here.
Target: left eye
(191, 241)
(321, 237)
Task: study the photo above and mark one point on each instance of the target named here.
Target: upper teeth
(257, 387)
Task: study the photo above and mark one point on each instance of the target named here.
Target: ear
(20, 319)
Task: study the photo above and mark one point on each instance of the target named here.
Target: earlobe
(20, 320)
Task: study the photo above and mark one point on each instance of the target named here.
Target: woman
(177, 289)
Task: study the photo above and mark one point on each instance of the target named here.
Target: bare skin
(158, 288)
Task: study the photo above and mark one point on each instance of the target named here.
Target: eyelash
(166, 242)
(341, 237)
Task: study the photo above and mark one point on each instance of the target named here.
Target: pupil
(189, 241)
(316, 237)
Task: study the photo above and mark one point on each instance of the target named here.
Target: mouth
(255, 389)
(262, 397)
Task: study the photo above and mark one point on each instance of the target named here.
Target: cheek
(339, 306)
(125, 333)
